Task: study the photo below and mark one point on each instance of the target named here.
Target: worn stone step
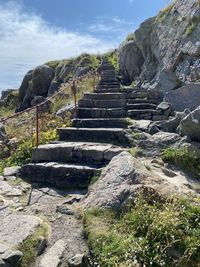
(141, 100)
(107, 90)
(95, 154)
(100, 123)
(66, 176)
(100, 113)
(143, 113)
(103, 96)
(137, 94)
(115, 136)
(120, 103)
(141, 106)
(108, 83)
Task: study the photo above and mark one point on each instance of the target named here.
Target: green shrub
(182, 158)
(53, 64)
(130, 37)
(150, 233)
(192, 25)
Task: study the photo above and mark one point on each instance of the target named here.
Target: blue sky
(33, 32)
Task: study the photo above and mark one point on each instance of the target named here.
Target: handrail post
(75, 99)
(37, 125)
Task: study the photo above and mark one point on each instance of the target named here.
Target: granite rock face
(190, 125)
(35, 83)
(168, 46)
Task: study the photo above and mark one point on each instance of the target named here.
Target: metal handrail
(37, 107)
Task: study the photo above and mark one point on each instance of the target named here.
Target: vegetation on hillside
(150, 232)
(21, 130)
(184, 159)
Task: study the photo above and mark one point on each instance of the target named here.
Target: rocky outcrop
(187, 96)
(46, 79)
(125, 176)
(130, 61)
(169, 46)
(190, 125)
(35, 83)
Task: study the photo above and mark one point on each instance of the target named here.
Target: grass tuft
(182, 158)
(149, 233)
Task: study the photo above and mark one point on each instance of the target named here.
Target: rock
(81, 71)
(79, 260)
(54, 87)
(47, 107)
(12, 257)
(63, 209)
(6, 93)
(165, 68)
(130, 61)
(187, 96)
(190, 125)
(121, 181)
(164, 81)
(11, 171)
(35, 83)
(15, 229)
(164, 108)
(52, 257)
(2, 132)
(64, 111)
(1, 178)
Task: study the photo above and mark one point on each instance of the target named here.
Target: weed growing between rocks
(32, 245)
(149, 233)
(182, 158)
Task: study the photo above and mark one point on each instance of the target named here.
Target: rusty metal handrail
(72, 84)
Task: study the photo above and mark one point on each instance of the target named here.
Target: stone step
(120, 103)
(136, 94)
(65, 176)
(107, 90)
(100, 113)
(108, 86)
(100, 123)
(141, 100)
(116, 136)
(147, 114)
(103, 96)
(93, 154)
(141, 106)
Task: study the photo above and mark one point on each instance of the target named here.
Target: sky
(33, 32)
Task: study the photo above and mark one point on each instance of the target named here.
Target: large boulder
(124, 176)
(190, 125)
(130, 61)
(35, 83)
(187, 96)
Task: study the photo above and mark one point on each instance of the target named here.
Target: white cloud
(26, 40)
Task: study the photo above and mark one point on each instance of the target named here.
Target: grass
(136, 152)
(192, 25)
(182, 158)
(164, 12)
(149, 233)
(96, 176)
(130, 37)
(30, 246)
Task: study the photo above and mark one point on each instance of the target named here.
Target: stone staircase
(98, 133)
